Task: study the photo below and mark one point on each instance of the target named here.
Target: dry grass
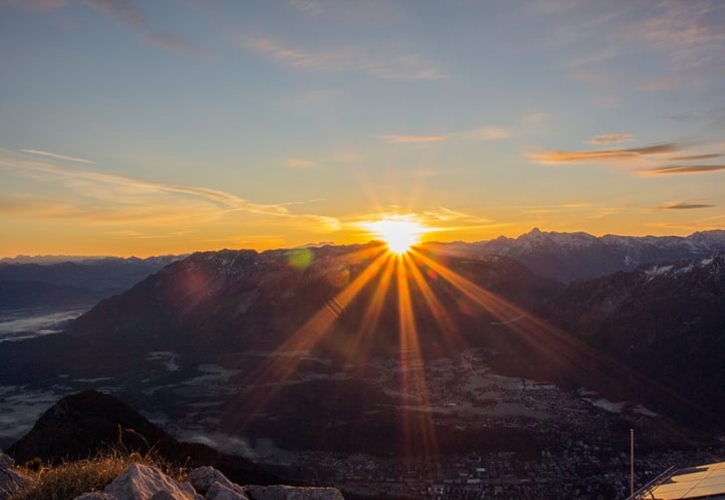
(70, 479)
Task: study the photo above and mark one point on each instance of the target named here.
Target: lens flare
(398, 233)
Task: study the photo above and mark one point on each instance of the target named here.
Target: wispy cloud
(446, 214)
(127, 198)
(414, 139)
(558, 157)
(395, 67)
(663, 84)
(57, 156)
(562, 207)
(312, 7)
(128, 186)
(706, 156)
(684, 205)
(130, 15)
(610, 138)
(339, 157)
(123, 11)
(693, 32)
(684, 169)
(487, 133)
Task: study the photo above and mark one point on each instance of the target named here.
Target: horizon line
(332, 243)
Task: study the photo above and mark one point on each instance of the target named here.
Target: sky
(170, 126)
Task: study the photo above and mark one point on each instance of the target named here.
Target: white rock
(203, 478)
(292, 493)
(141, 482)
(218, 491)
(11, 480)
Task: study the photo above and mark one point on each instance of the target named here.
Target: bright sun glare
(398, 233)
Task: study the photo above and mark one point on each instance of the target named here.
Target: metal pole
(631, 462)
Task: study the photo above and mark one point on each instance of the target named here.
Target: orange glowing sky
(136, 128)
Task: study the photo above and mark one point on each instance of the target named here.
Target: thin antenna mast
(631, 462)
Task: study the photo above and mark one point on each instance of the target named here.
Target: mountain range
(578, 256)
(47, 284)
(236, 348)
(230, 315)
(665, 320)
(65, 281)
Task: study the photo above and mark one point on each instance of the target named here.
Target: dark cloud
(610, 138)
(609, 154)
(684, 169)
(684, 205)
(708, 156)
(693, 32)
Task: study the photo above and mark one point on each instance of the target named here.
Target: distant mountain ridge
(243, 300)
(666, 320)
(71, 284)
(242, 287)
(569, 257)
(83, 259)
(562, 256)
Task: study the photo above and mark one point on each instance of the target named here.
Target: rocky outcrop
(10, 479)
(207, 479)
(142, 482)
(220, 492)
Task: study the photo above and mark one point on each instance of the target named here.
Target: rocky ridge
(143, 482)
(10, 479)
(569, 257)
(663, 319)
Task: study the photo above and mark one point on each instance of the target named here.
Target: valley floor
(496, 436)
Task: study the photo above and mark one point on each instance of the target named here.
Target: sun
(398, 233)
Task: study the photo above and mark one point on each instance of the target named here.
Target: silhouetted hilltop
(84, 424)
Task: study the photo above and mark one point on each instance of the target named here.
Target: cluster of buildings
(574, 473)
